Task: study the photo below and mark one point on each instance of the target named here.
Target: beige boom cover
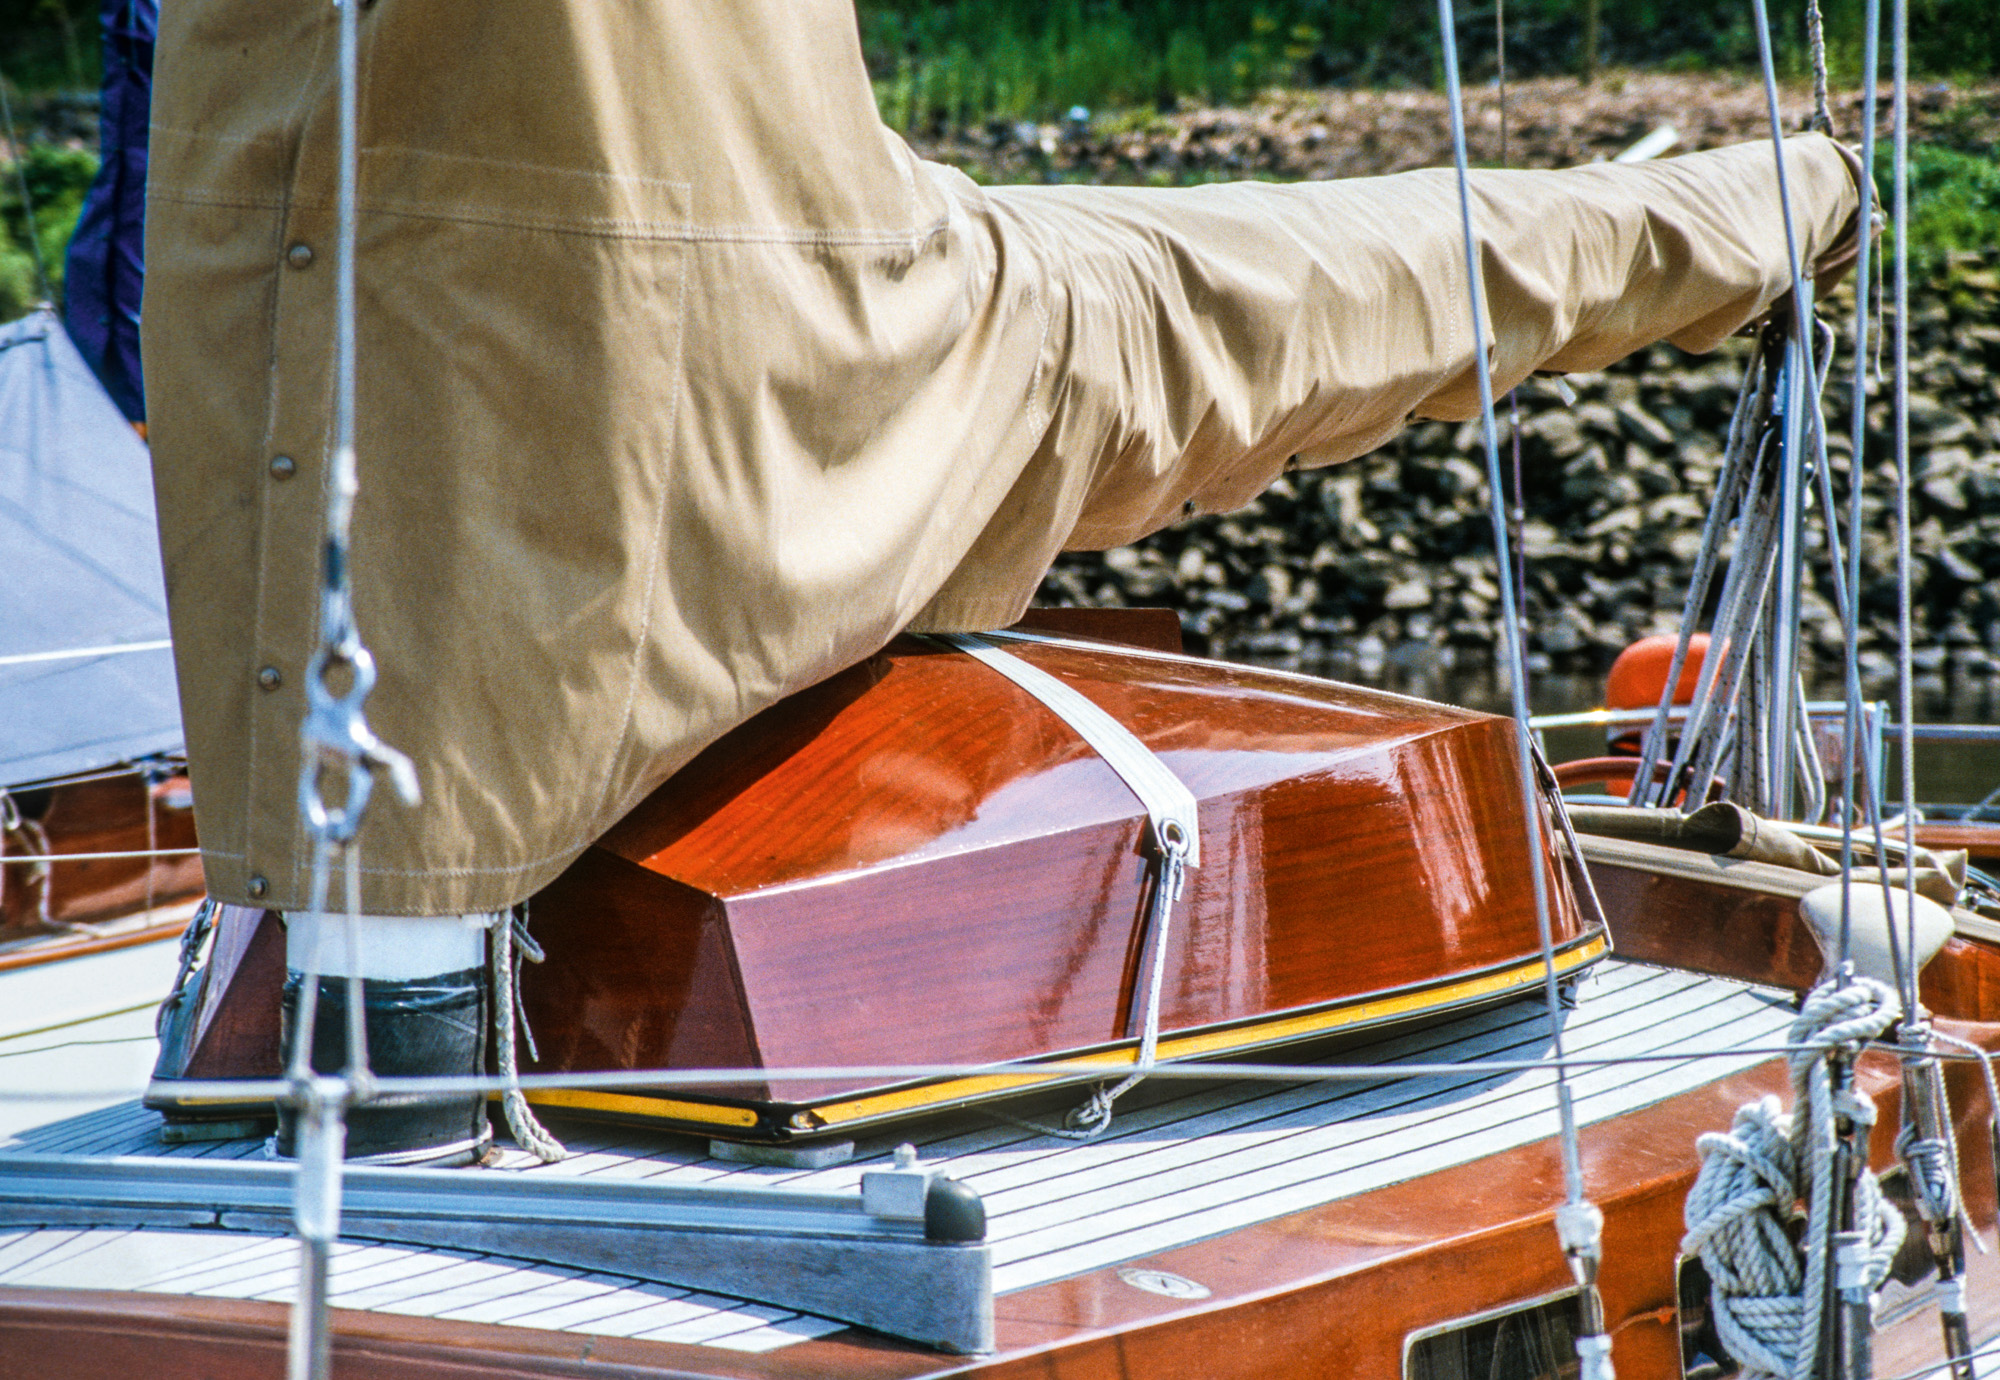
(684, 384)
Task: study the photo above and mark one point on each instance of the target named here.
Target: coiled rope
(1768, 1294)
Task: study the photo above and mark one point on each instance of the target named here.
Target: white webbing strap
(1170, 805)
(1170, 809)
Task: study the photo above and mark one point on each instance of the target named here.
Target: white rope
(529, 1133)
(1984, 1060)
(192, 940)
(1816, 46)
(1769, 1294)
(14, 822)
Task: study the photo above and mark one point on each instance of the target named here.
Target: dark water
(1946, 772)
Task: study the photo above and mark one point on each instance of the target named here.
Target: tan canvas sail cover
(683, 383)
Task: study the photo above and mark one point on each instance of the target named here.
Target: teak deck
(1326, 1224)
(1290, 1176)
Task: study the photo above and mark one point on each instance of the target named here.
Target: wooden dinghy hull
(916, 862)
(125, 811)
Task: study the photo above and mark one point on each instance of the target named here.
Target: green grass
(1954, 201)
(57, 179)
(975, 60)
(962, 62)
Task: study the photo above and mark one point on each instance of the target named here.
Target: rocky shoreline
(1548, 122)
(1393, 551)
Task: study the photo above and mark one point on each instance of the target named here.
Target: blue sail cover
(106, 267)
(79, 569)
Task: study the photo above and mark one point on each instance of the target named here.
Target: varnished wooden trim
(53, 948)
(1768, 878)
(1155, 629)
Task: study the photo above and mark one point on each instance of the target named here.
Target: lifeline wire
(102, 857)
(86, 653)
(393, 1088)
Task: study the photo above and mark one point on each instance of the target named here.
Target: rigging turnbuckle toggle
(335, 736)
(1580, 1228)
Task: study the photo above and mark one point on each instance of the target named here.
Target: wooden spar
(1980, 840)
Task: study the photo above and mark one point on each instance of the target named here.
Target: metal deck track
(1182, 1163)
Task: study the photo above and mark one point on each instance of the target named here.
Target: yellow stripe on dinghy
(1240, 1037)
(1200, 1044)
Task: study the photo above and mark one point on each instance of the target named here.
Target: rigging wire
(334, 737)
(1517, 504)
(1802, 324)
(83, 653)
(277, 1089)
(1836, 1258)
(1905, 668)
(1579, 1224)
(12, 858)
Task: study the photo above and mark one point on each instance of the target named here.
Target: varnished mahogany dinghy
(87, 946)
(918, 862)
